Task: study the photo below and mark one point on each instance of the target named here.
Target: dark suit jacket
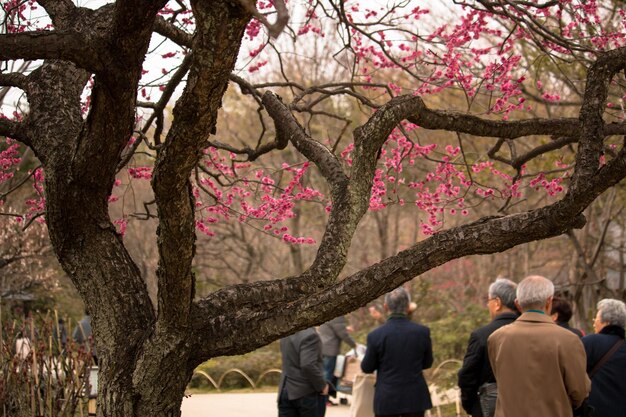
(566, 325)
(303, 371)
(476, 369)
(399, 350)
(608, 385)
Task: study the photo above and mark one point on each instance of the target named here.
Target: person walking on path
(476, 379)
(302, 387)
(399, 351)
(539, 366)
(332, 334)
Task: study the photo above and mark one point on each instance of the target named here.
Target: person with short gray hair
(398, 301)
(534, 292)
(539, 366)
(476, 380)
(611, 313)
(399, 351)
(606, 359)
(504, 289)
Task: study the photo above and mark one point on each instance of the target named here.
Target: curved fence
(440, 395)
(253, 384)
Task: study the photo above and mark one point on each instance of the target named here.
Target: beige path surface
(242, 405)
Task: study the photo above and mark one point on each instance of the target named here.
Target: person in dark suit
(302, 385)
(398, 351)
(475, 376)
(608, 383)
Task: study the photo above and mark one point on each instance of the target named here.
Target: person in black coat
(476, 369)
(608, 383)
(561, 313)
(399, 350)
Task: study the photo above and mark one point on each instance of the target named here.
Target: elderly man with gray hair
(539, 366)
(476, 379)
(606, 359)
(398, 351)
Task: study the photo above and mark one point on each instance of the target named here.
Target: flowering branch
(282, 16)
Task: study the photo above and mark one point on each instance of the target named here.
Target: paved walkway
(242, 405)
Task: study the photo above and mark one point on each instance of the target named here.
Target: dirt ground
(242, 405)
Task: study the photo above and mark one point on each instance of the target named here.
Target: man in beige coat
(540, 368)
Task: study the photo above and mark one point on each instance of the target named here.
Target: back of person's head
(612, 312)
(534, 292)
(504, 289)
(562, 308)
(398, 300)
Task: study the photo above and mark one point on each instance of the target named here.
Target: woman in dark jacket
(608, 383)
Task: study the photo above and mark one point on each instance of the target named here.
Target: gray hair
(612, 312)
(534, 291)
(398, 300)
(504, 289)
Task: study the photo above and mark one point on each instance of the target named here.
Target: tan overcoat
(540, 368)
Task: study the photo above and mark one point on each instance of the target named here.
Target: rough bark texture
(147, 355)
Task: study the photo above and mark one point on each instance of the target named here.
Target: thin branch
(20, 183)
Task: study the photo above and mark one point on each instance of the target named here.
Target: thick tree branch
(477, 126)
(488, 235)
(58, 9)
(333, 250)
(132, 18)
(482, 237)
(14, 80)
(65, 45)
(215, 47)
(289, 130)
(592, 131)
(168, 30)
(14, 130)
(485, 236)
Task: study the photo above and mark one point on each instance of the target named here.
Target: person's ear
(519, 307)
(549, 305)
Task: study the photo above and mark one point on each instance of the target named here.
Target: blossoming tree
(526, 93)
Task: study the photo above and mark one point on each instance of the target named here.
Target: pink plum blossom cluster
(442, 182)
(36, 206)
(480, 53)
(253, 195)
(9, 159)
(232, 190)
